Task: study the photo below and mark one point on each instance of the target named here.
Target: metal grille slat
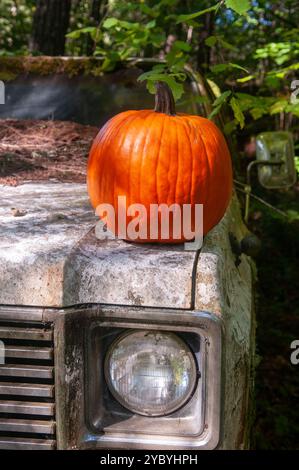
(34, 334)
(20, 443)
(23, 389)
(27, 408)
(29, 426)
(26, 352)
(16, 370)
(27, 392)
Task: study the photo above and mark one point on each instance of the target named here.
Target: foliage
(244, 50)
(248, 48)
(15, 26)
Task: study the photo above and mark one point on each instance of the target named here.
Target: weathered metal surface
(27, 408)
(33, 334)
(24, 389)
(25, 443)
(18, 370)
(34, 247)
(27, 352)
(25, 425)
(79, 396)
(227, 290)
(11, 313)
(72, 267)
(27, 404)
(51, 257)
(121, 273)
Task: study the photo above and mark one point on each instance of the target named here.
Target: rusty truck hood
(51, 257)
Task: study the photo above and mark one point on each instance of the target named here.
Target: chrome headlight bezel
(82, 337)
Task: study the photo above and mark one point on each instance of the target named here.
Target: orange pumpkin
(158, 156)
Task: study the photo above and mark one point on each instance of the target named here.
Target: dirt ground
(43, 150)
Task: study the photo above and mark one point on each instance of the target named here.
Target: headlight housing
(150, 373)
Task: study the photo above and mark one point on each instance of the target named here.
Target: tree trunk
(96, 14)
(204, 52)
(50, 24)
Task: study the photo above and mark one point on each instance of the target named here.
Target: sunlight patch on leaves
(192, 16)
(239, 6)
(238, 113)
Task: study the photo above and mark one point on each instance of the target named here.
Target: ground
(43, 150)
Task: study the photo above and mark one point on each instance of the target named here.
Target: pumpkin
(160, 157)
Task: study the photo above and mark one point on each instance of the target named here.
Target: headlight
(150, 373)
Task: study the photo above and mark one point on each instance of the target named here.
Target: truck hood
(51, 257)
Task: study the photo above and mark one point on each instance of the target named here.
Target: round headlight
(150, 373)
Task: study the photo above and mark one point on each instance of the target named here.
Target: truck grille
(27, 402)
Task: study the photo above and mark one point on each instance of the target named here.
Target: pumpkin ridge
(171, 127)
(187, 128)
(129, 151)
(158, 160)
(99, 142)
(123, 124)
(130, 161)
(178, 161)
(194, 161)
(145, 152)
(145, 136)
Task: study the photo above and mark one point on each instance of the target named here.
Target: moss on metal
(12, 67)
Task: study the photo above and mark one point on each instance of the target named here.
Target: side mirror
(275, 160)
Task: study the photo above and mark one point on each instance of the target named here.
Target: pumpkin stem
(164, 100)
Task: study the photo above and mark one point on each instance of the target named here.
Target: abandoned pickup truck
(115, 345)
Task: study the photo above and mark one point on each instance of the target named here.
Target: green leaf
(214, 87)
(129, 25)
(150, 24)
(158, 68)
(182, 46)
(239, 116)
(151, 87)
(245, 79)
(278, 107)
(239, 6)
(237, 66)
(152, 77)
(215, 111)
(191, 16)
(219, 68)
(256, 113)
(222, 98)
(292, 108)
(230, 127)
(110, 22)
(211, 41)
(76, 34)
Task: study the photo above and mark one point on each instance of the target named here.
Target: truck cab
(116, 345)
